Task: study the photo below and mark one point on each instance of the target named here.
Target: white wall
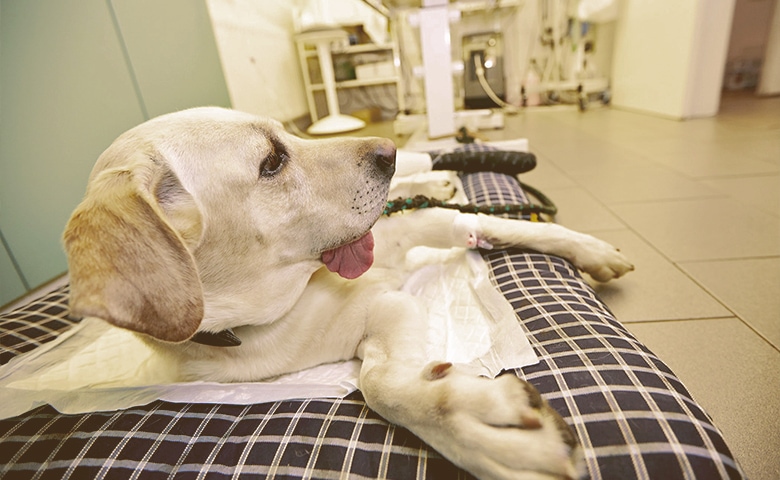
(669, 56)
(259, 59)
(769, 84)
(712, 29)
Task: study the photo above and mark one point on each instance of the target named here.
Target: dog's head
(211, 218)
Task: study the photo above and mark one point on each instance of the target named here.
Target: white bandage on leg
(411, 163)
(468, 233)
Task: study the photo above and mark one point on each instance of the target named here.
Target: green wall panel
(65, 94)
(173, 52)
(11, 286)
(74, 74)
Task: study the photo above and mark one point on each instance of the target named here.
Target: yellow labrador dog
(211, 227)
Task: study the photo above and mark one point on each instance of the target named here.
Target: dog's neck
(225, 338)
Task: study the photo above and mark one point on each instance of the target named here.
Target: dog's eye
(273, 164)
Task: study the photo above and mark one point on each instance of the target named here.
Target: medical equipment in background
(365, 62)
(335, 121)
(557, 63)
(561, 67)
(442, 63)
(434, 19)
(483, 60)
(564, 68)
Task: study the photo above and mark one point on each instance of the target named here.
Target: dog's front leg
(598, 258)
(443, 228)
(494, 428)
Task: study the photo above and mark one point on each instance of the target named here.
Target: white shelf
(355, 83)
(306, 53)
(354, 49)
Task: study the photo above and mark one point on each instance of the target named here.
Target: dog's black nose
(384, 155)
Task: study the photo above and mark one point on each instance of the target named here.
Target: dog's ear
(128, 264)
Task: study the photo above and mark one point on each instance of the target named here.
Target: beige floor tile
(729, 144)
(578, 210)
(657, 290)
(711, 159)
(647, 131)
(768, 147)
(734, 375)
(538, 126)
(748, 113)
(759, 142)
(749, 102)
(703, 229)
(589, 156)
(636, 182)
(761, 192)
(750, 288)
(615, 124)
(546, 175)
(574, 154)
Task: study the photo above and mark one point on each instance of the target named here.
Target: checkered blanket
(631, 413)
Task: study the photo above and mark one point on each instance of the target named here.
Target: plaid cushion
(633, 416)
(34, 324)
(486, 188)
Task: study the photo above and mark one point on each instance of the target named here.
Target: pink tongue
(351, 260)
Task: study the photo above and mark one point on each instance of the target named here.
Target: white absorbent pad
(98, 367)
(469, 321)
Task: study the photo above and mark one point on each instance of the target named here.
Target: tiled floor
(696, 205)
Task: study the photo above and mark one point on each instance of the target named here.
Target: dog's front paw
(601, 260)
(501, 428)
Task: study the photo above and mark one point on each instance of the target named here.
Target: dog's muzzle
(384, 157)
